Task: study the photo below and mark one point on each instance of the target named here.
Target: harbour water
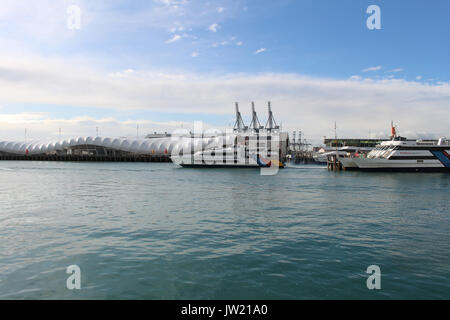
(156, 231)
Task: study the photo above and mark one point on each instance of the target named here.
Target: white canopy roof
(154, 146)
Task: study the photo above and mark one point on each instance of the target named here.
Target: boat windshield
(381, 151)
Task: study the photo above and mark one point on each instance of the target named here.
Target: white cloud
(220, 10)
(174, 38)
(44, 21)
(171, 3)
(41, 19)
(260, 50)
(41, 126)
(395, 70)
(418, 77)
(232, 40)
(194, 54)
(372, 69)
(311, 104)
(176, 29)
(213, 27)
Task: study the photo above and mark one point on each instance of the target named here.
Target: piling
(333, 163)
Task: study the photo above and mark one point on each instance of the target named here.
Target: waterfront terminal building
(102, 149)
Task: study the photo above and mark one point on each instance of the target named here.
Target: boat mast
(335, 139)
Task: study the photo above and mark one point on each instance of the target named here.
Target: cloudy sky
(162, 64)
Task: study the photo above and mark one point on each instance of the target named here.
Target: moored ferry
(400, 154)
(255, 146)
(235, 156)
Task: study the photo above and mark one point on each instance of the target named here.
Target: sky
(127, 68)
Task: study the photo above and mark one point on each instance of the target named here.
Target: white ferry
(254, 146)
(405, 155)
(400, 154)
(235, 156)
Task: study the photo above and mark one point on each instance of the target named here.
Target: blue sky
(165, 62)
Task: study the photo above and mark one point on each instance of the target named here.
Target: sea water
(157, 231)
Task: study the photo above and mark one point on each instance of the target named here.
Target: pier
(91, 158)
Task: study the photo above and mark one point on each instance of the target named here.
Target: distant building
(364, 143)
(157, 135)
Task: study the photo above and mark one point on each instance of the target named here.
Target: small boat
(343, 152)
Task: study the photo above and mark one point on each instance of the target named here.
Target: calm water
(154, 231)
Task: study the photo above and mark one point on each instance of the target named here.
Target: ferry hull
(383, 164)
(410, 169)
(198, 161)
(227, 166)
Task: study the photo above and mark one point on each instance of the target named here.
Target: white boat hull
(382, 164)
(199, 160)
